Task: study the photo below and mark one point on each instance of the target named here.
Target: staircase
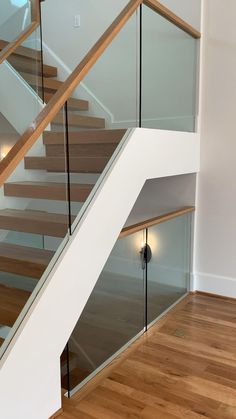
(49, 263)
(90, 148)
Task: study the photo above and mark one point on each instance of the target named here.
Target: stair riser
(90, 150)
(79, 165)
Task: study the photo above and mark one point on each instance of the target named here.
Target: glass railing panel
(168, 271)
(101, 109)
(20, 91)
(169, 64)
(15, 17)
(64, 164)
(34, 228)
(114, 313)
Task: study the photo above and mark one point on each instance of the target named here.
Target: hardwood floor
(184, 367)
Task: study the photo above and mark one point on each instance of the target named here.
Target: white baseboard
(215, 284)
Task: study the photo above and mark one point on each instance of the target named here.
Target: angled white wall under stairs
(143, 154)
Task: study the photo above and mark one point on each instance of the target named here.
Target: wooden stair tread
(79, 121)
(22, 260)
(36, 222)
(48, 83)
(22, 51)
(73, 104)
(27, 65)
(48, 190)
(12, 301)
(57, 164)
(84, 137)
(81, 150)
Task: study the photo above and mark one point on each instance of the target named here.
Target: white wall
(216, 222)
(71, 44)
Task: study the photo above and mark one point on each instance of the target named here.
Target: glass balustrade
(20, 92)
(113, 315)
(169, 75)
(15, 17)
(146, 273)
(168, 271)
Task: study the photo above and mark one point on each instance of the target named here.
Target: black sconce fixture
(146, 255)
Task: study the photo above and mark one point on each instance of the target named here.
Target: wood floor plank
(184, 367)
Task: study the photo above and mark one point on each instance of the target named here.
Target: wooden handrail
(172, 17)
(30, 136)
(154, 221)
(35, 10)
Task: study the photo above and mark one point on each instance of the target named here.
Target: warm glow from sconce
(143, 244)
(153, 241)
(5, 150)
(138, 241)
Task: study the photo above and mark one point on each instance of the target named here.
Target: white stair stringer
(30, 367)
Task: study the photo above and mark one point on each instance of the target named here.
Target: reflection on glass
(168, 271)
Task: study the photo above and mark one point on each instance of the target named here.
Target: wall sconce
(145, 254)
